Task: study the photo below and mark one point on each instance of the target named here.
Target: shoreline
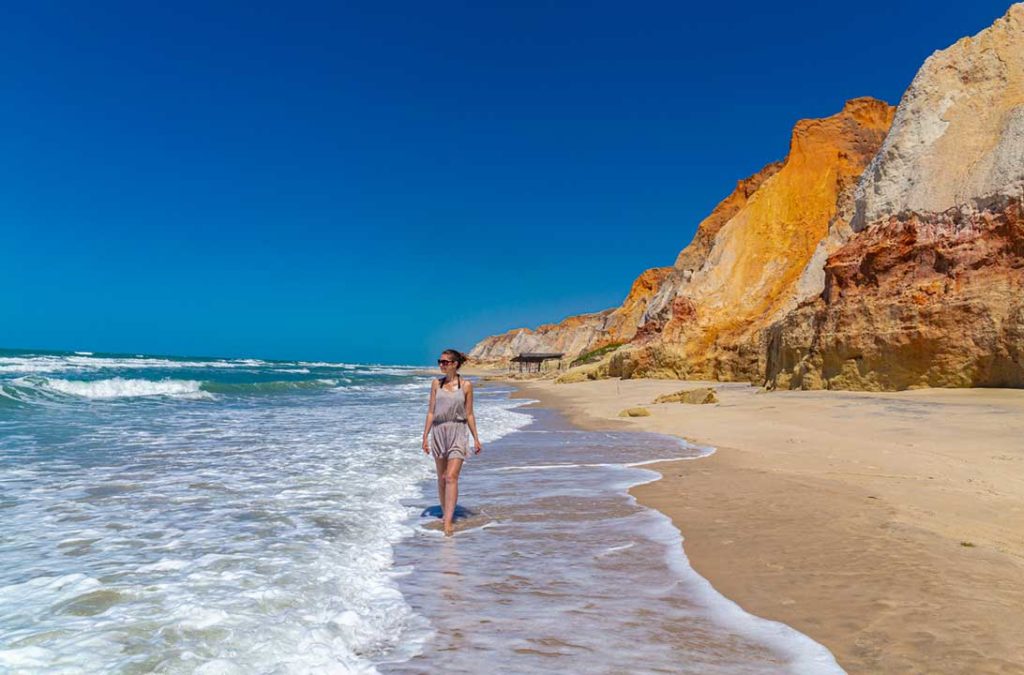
(566, 543)
(888, 527)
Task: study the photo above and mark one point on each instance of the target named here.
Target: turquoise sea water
(193, 514)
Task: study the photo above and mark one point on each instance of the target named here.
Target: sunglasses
(445, 362)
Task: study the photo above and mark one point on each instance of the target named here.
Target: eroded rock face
(957, 141)
(913, 303)
(928, 291)
(692, 257)
(764, 257)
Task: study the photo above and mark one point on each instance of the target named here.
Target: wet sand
(559, 570)
(889, 527)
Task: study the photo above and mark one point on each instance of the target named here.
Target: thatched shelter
(532, 361)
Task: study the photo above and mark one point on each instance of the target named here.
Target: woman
(444, 435)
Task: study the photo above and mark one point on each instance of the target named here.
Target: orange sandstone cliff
(583, 332)
(709, 320)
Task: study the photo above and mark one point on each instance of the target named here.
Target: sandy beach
(889, 526)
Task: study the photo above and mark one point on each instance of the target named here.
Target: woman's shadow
(461, 512)
(462, 519)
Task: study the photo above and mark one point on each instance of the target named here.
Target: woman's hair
(459, 357)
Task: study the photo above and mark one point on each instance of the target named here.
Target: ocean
(211, 515)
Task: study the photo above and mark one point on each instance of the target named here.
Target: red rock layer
(915, 301)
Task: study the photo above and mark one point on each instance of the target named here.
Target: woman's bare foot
(448, 530)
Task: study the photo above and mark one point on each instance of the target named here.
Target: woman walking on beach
(449, 417)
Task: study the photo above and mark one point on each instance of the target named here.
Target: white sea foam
(591, 465)
(87, 362)
(249, 534)
(24, 365)
(615, 549)
(805, 656)
(82, 363)
(390, 370)
(117, 387)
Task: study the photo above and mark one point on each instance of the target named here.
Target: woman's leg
(441, 463)
(451, 491)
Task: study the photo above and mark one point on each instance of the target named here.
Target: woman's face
(447, 363)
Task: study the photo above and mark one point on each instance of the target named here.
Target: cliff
(763, 257)
(886, 251)
(745, 259)
(928, 292)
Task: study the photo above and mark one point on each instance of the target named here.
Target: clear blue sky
(357, 181)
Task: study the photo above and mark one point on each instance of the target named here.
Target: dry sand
(889, 527)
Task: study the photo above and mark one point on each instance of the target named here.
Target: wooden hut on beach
(532, 361)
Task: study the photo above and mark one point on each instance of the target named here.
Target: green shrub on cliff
(595, 354)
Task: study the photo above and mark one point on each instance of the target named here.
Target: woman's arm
(430, 416)
(471, 418)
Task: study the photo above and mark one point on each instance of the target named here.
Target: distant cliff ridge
(886, 251)
(579, 333)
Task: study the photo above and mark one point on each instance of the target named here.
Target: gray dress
(449, 432)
